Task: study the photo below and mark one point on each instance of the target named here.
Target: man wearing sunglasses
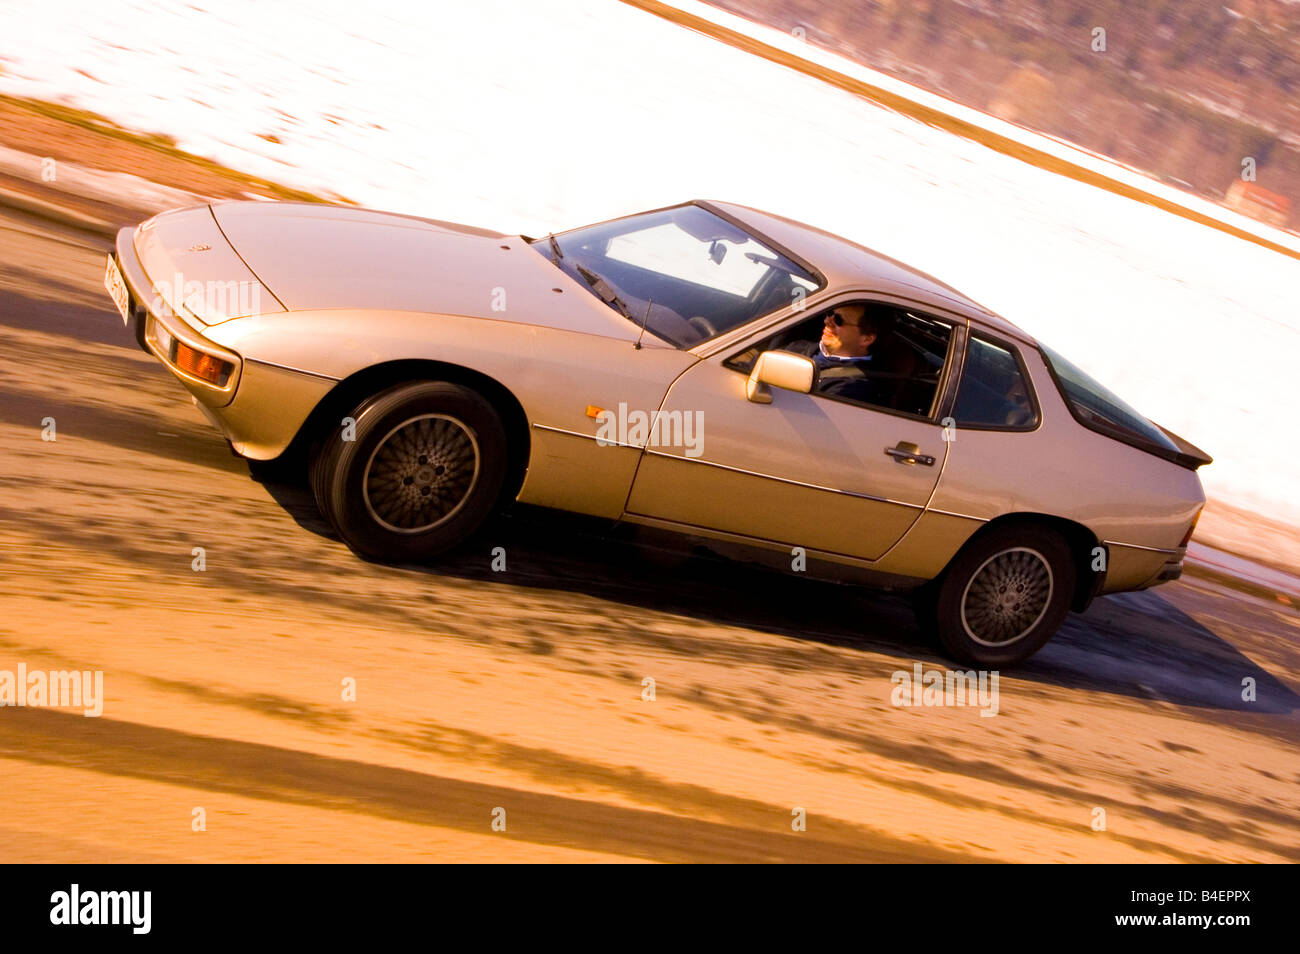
(843, 354)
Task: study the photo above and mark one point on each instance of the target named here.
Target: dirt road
(519, 695)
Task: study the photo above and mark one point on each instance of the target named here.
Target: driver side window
(867, 353)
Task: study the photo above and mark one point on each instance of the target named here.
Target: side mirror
(780, 369)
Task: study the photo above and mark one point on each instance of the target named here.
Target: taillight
(205, 367)
(1188, 535)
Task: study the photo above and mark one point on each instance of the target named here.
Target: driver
(843, 355)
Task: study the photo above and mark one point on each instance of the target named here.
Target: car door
(805, 470)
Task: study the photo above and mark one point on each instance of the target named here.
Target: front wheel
(1004, 596)
(423, 470)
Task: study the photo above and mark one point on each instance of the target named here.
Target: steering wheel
(702, 325)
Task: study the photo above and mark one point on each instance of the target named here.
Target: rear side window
(994, 392)
(1097, 408)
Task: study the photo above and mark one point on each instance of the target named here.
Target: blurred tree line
(1184, 89)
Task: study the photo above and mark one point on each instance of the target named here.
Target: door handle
(908, 453)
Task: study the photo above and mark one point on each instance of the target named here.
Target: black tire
(1004, 595)
(317, 467)
(423, 472)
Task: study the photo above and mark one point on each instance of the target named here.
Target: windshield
(685, 272)
(1098, 408)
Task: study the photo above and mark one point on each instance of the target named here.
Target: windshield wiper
(603, 291)
(555, 247)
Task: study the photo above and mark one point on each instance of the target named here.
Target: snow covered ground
(547, 114)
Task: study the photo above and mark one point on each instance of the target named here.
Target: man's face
(842, 334)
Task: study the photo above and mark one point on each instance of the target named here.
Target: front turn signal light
(206, 367)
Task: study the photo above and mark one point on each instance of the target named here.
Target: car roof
(846, 263)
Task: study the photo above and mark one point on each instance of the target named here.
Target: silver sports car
(707, 369)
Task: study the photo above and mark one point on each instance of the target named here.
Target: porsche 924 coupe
(709, 370)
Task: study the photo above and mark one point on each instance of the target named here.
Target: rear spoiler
(1189, 455)
(1183, 453)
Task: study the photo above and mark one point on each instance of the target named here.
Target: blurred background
(1185, 88)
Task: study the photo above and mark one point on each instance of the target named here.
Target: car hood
(193, 271)
(323, 257)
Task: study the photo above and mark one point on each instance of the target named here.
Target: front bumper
(271, 406)
(129, 266)
(259, 407)
(158, 329)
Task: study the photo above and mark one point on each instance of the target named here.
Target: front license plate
(116, 286)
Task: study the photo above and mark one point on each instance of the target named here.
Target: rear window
(1099, 409)
(993, 392)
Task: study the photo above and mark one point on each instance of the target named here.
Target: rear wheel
(1004, 596)
(423, 471)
